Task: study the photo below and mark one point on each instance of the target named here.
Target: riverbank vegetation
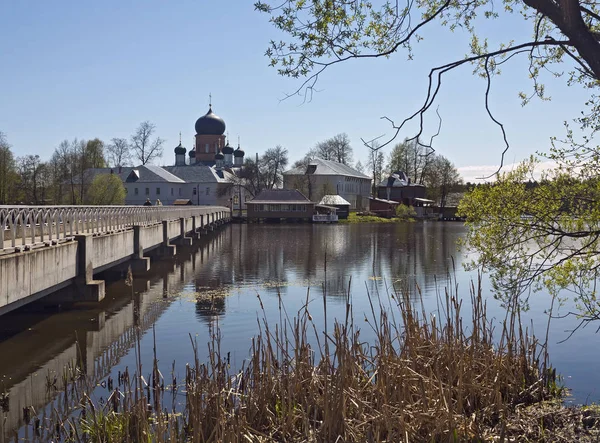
(396, 374)
(355, 217)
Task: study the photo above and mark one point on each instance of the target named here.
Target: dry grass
(422, 379)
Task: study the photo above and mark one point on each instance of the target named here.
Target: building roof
(398, 179)
(280, 196)
(382, 200)
(334, 200)
(327, 167)
(143, 174)
(199, 174)
(162, 173)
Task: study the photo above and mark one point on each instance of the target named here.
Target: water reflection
(276, 256)
(216, 282)
(37, 344)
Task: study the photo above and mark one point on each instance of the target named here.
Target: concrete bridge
(47, 248)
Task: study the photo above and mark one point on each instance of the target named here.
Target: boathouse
(383, 207)
(277, 204)
(337, 201)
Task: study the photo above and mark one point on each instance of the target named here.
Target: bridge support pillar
(88, 289)
(139, 263)
(167, 249)
(183, 240)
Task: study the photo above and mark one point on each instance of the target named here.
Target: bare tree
(271, 166)
(440, 178)
(119, 153)
(30, 170)
(376, 164)
(413, 158)
(8, 176)
(145, 149)
(336, 148)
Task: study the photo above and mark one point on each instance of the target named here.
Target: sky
(73, 69)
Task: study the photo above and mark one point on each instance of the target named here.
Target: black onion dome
(179, 150)
(227, 149)
(238, 152)
(210, 124)
(192, 153)
(219, 156)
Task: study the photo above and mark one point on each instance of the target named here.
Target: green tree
(106, 189)
(528, 236)
(531, 235)
(565, 41)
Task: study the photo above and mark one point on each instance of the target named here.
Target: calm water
(220, 281)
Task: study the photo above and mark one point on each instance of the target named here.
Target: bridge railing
(25, 227)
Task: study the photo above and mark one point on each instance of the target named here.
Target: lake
(220, 284)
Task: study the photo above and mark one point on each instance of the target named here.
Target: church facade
(206, 175)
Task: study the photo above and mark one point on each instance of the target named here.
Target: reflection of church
(209, 177)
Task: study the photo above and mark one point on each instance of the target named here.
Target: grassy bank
(421, 379)
(354, 218)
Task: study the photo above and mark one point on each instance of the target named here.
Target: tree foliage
(529, 237)
(565, 41)
(106, 189)
(532, 234)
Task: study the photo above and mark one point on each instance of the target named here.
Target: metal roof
(334, 200)
(328, 167)
(200, 174)
(145, 173)
(280, 196)
(162, 173)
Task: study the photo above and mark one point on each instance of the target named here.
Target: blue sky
(97, 69)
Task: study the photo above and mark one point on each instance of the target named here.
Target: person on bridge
(158, 202)
(148, 202)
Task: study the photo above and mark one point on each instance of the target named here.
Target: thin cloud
(475, 173)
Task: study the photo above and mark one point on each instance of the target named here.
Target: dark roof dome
(238, 152)
(210, 124)
(192, 153)
(227, 149)
(180, 150)
(219, 156)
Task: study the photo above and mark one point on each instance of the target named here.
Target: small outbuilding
(382, 207)
(277, 204)
(398, 187)
(337, 201)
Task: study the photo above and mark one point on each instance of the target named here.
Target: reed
(421, 379)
